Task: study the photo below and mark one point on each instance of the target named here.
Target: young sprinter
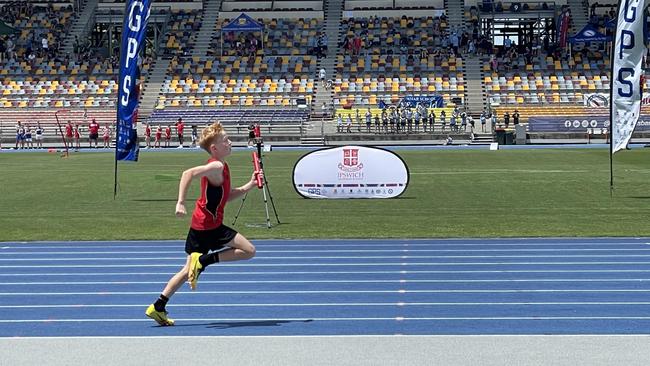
(207, 235)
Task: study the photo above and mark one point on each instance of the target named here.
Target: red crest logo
(350, 157)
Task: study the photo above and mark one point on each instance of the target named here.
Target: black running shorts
(204, 241)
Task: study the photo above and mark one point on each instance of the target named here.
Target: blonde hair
(209, 134)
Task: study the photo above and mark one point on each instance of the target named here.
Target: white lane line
(68, 283)
(106, 293)
(6, 247)
(401, 264)
(265, 273)
(347, 245)
(139, 320)
(176, 258)
(342, 304)
(353, 251)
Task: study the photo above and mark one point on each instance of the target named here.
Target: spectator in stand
(322, 75)
(156, 142)
(506, 119)
(39, 135)
(168, 135)
(339, 123)
(515, 117)
(443, 119)
(180, 126)
(483, 120)
(368, 119)
(348, 124)
(93, 133)
(463, 121)
(147, 136)
(106, 135)
(432, 120)
(45, 47)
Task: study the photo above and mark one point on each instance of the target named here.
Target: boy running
(207, 236)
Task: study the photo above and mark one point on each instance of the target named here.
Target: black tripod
(265, 187)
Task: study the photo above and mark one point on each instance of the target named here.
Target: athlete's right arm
(212, 170)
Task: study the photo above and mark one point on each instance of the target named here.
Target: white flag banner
(629, 49)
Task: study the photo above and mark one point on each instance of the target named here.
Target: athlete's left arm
(239, 191)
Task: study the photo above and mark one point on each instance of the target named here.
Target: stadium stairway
(579, 14)
(482, 138)
(80, 27)
(208, 28)
(331, 27)
(152, 87)
(475, 97)
(455, 10)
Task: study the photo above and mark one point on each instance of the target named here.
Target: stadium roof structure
(243, 23)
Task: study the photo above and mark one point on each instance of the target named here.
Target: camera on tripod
(255, 139)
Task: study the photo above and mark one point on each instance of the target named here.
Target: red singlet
(208, 212)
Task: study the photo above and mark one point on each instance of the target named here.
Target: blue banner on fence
(577, 123)
(430, 101)
(128, 93)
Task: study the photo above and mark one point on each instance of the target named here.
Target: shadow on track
(240, 324)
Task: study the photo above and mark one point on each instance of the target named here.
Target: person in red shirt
(180, 126)
(93, 133)
(106, 134)
(158, 137)
(147, 135)
(68, 131)
(77, 136)
(208, 240)
(168, 135)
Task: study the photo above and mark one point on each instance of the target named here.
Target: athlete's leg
(156, 311)
(177, 280)
(240, 249)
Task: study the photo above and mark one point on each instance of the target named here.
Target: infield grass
(452, 193)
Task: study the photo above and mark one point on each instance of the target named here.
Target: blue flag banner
(627, 56)
(133, 35)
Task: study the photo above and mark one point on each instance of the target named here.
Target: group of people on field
(160, 140)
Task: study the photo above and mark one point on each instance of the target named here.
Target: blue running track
(333, 287)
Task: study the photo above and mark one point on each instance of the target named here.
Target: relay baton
(256, 164)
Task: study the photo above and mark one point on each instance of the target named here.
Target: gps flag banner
(134, 28)
(627, 55)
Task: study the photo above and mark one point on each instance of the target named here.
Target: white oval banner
(350, 172)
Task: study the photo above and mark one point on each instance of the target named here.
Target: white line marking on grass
(107, 293)
(138, 320)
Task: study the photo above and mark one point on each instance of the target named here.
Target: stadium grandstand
(303, 68)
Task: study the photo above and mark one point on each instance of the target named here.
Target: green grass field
(452, 193)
